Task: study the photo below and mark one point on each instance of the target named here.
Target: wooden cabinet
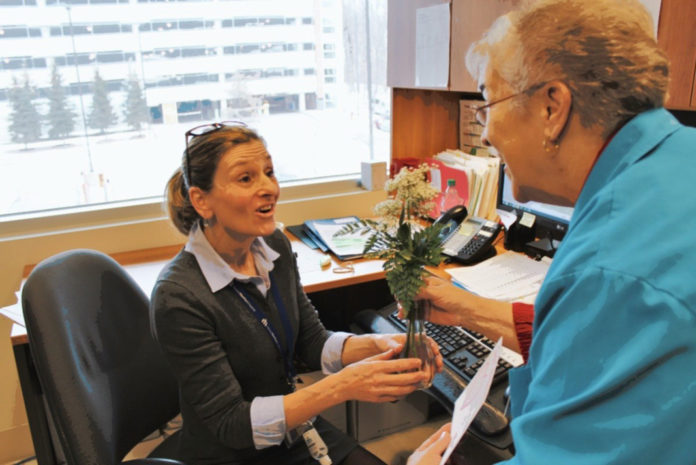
(426, 121)
(469, 19)
(676, 34)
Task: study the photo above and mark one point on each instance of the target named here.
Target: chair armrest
(152, 461)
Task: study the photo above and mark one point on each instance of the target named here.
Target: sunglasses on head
(202, 130)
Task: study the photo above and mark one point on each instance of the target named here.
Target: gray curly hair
(604, 50)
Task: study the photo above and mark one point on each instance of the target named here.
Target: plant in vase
(407, 244)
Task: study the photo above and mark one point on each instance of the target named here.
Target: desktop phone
(467, 239)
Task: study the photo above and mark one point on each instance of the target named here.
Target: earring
(550, 146)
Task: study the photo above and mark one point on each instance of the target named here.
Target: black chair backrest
(105, 380)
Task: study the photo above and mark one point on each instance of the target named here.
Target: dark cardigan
(223, 357)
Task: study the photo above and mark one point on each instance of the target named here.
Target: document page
(509, 276)
(471, 400)
(14, 311)
(432, 45)
(343, 246)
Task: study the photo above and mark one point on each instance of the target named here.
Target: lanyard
(286, 353)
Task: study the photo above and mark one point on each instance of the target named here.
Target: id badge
(292, 436)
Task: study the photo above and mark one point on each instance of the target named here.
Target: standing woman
(231, 315)
(574, 94)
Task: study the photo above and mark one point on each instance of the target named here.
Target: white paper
(509, 277)
(528, 219)
(346, 244)
(436, 179)
(471, 400)
(507, 218)
(145, 274)
(653, 7)
(432, 45)
(14, 312)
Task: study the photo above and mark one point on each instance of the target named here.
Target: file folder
(301, 232)
(344, 247)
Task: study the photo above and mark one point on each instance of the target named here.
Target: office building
(195, 58)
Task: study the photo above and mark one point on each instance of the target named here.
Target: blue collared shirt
(609, 379)
(267, 413)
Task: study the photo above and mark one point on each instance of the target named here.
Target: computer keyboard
(463, 353)
(464, 350)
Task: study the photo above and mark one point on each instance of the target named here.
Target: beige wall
(46, 237)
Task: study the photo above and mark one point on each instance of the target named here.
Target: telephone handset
(467, 239)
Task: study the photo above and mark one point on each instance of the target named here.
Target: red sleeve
(523, 316)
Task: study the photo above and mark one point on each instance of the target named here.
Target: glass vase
(417, 344)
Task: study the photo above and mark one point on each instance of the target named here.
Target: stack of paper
(482, 174)
(510, 277)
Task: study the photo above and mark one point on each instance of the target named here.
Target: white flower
(410, 189)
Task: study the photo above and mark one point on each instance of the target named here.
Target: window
(106, 28)
(10, 32)
(18, 63)
(243, 22)
(139, 91)
(193, 24)
(17, 2)
(110, 57)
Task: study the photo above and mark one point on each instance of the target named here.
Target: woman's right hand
(448, 302)
(380, 378)
(430, 452)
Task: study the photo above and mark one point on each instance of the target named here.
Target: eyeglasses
(202, 130)
(481, 112)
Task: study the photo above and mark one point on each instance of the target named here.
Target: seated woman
(231, 315)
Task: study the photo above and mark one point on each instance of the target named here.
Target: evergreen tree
(60, 117)
(25, 120)
(102, 114)
(135, 107)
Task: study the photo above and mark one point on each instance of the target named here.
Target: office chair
(106, 383)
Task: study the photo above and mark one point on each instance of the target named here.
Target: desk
(145, 266)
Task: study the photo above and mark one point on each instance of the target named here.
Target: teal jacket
(611, 375)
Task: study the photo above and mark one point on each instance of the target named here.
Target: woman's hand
(379, 378)
(448, 302)
(430, 452)
(451, 305)
(385, 342)
(395, 342)
(360, 347)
